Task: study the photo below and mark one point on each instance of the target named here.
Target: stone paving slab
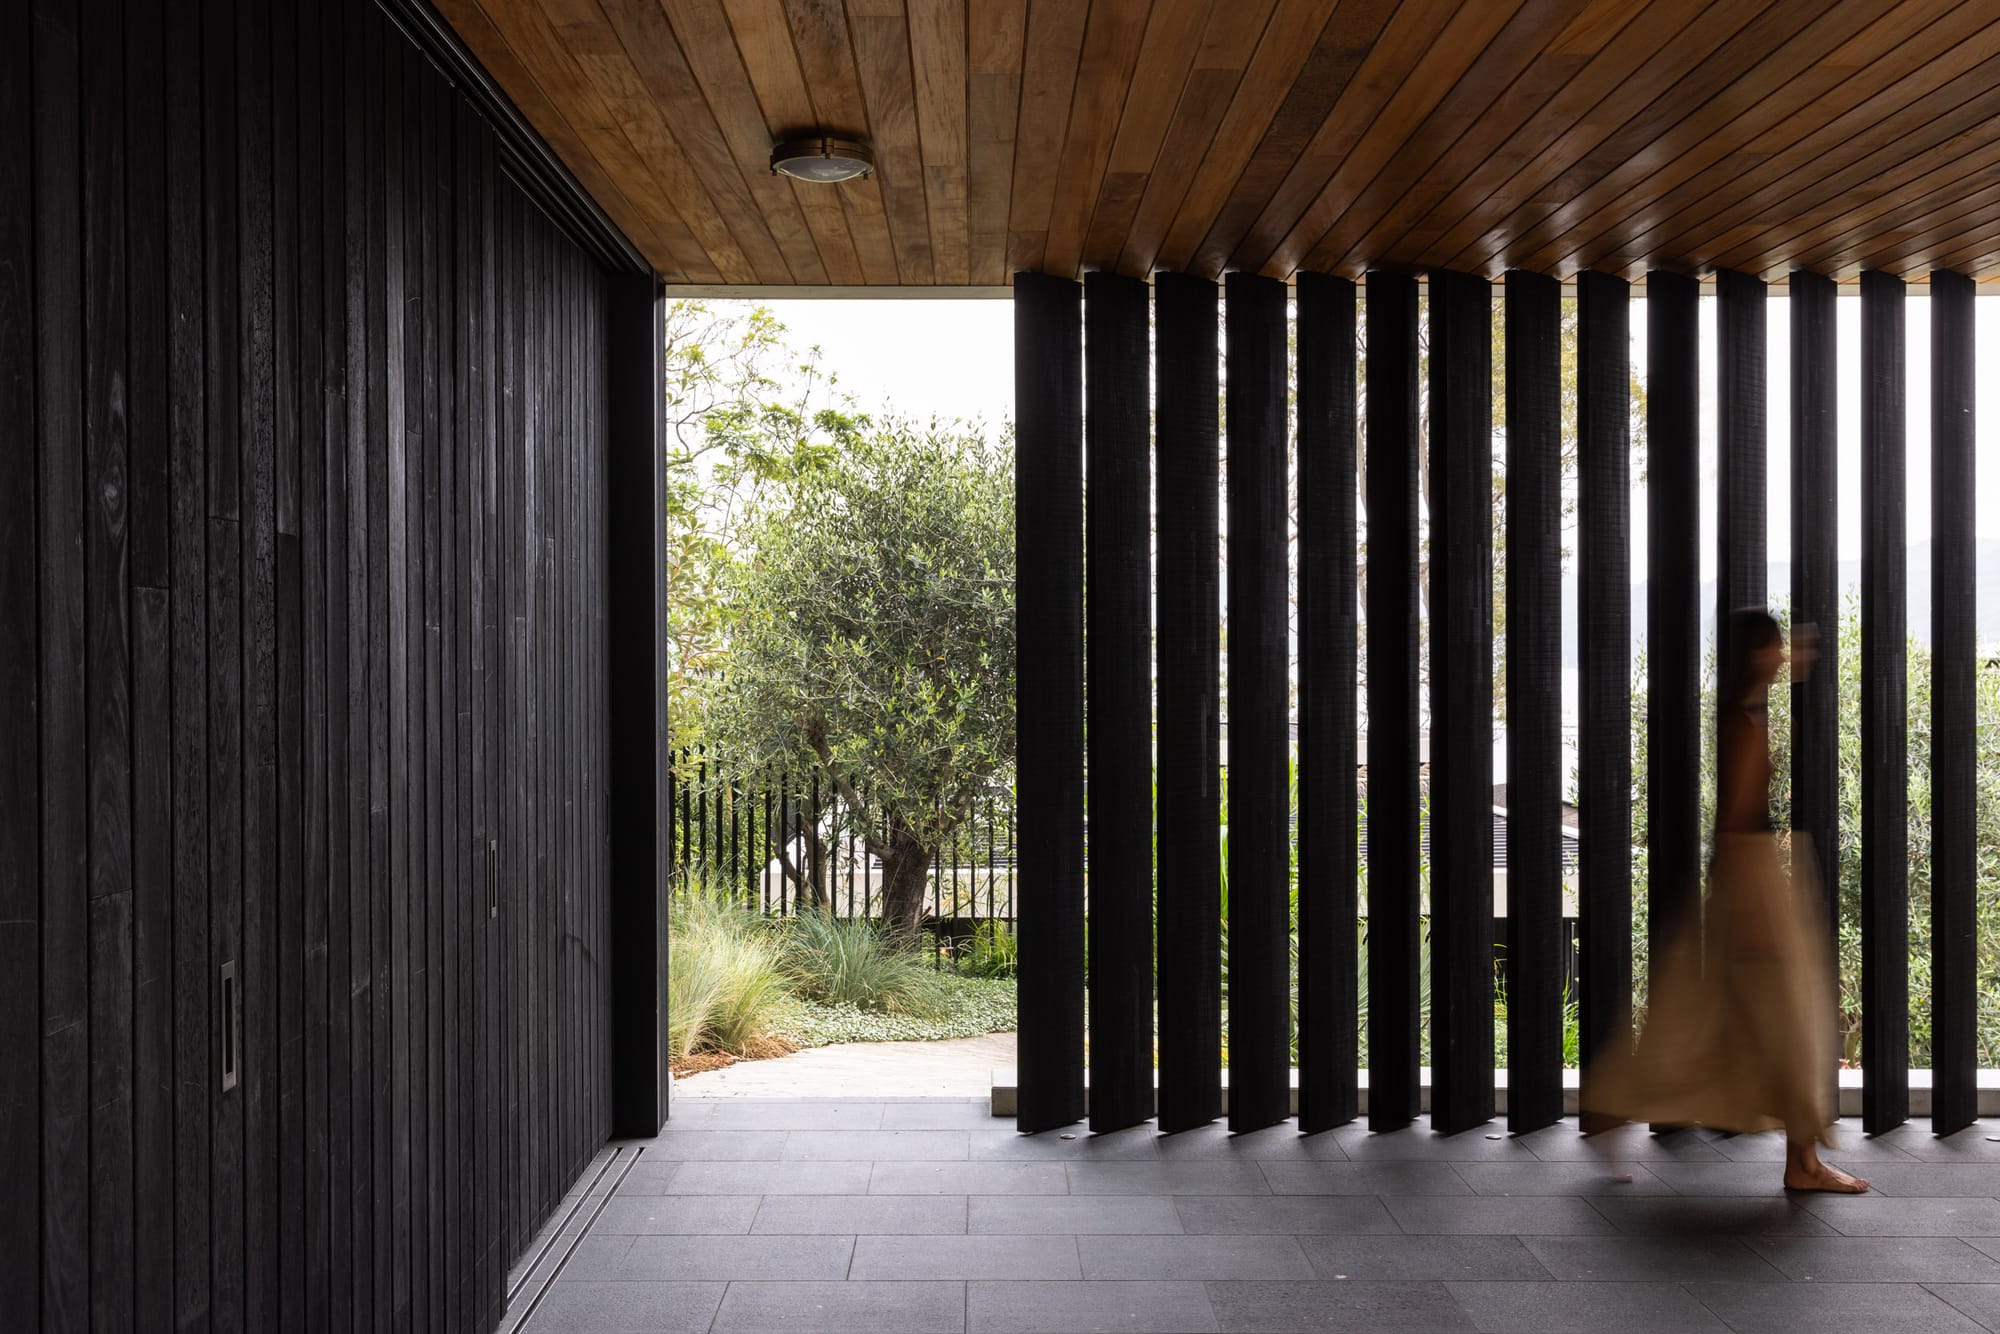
(889, 1215)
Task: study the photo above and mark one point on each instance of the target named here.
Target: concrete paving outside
(954, 1068)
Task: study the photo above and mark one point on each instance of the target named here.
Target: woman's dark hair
(1751, 631)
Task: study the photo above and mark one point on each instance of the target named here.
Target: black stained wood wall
(302, 679)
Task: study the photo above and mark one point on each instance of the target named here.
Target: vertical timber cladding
(291, 437)
(1673, 607)
(1391, 757)
(1189, 650)
(1815, 602)
(1328, 982)
(1048, 601)
(1604, 600)
(1461, 644)
(1534, 702)
(1119, 695)
(1741, 444)
(1885, 912)
(1259, 708)
(1954, 665)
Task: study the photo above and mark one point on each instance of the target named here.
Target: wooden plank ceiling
(1271, 135)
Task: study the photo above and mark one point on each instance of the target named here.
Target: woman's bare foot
(1804, 1170)
(1595, 1127)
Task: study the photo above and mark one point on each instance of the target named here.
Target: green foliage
(992, 951)
(745, 417)
(966, 1007)
(724, 982)
(853, 961)
(873, 637)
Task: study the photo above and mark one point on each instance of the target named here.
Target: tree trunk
(905, 875)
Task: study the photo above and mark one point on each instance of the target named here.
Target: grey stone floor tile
(1855, 1152)
(1981, 1301)
(1011, 1146)
(1747, 1177)
(966, 1178)
(1705, 1216)
(821, 1146)
(621, 1307)
(854, 1215)
(1179, 1178)
(1629, 1143)
(842, 1178)
(1878, 1259)
(1056, 1215)
(1008, 1307)
(840, 1308)
(938, 1257)
(1652, 1259)
(675, 1145)
(1377, 1178)
(1271, 1144)
(1884, 1216)
(596, 1257)
(1421, 1258)
(1551, 1216)
(1971, 1144)
(1282, 1215)
(1192, 1257)
(953, 1114)
(773, 1114)
(1584, 1308)
(1540, 1178)
(1984, 1245)
(1831, 1308)
(1331, 1304)
(1937, 1180)
(737, 1258)
(686, 1215)
(1418, 1142)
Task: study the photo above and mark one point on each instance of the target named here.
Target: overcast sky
(955, 358)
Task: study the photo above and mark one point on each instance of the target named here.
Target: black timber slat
(1534, 701)
(1604, 607)
(1741, 444)
(1118, 688)
(1048, 396)
(1190, 699)
(1391, 758)
(20, 762)
(1328, 1059)
(1673, 610)
(1816, 596)
(1885, 908)
(192, 1007)
(1259, 730)
(107, 673)
(1461, 646)
(60, 527)
(636, 597)
(234, 247)
(1954, 734)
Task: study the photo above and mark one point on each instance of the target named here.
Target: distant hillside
(1780, 583)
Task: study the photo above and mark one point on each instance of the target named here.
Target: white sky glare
(921, 358)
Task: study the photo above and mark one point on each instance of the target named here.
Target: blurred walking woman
(1739, 1030)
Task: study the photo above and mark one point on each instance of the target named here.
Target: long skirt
(1739, 1031)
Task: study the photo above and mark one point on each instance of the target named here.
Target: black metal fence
(786, 841)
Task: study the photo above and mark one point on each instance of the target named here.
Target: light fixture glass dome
(822, 158)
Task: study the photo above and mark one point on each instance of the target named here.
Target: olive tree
(873, 640)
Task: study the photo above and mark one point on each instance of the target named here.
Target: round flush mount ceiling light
(821, 158)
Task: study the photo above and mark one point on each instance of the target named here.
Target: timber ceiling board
(1270, 135)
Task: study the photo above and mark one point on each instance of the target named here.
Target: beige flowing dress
(1739, 1029)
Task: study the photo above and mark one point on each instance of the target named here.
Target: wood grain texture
(1549, 135)
(248, 267)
